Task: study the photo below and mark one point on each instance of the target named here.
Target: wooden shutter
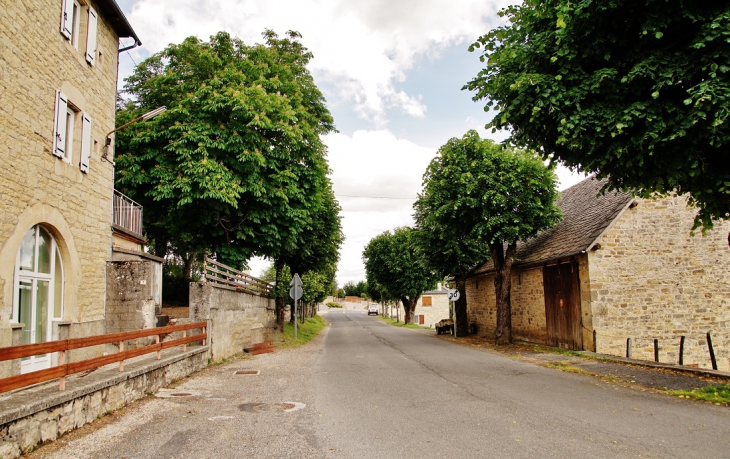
(426, 301)
(59, 133)
(67, 18)
(85, 143)
(91, 37)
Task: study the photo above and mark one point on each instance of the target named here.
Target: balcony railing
(127, 213)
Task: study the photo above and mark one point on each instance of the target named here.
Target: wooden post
(656, 350)
(628, 348)
(62, 362)
(595, 343)
(121, 349)
(185, 346)
(681, 350)
(205, 331)
(157, 341)
(712, 352)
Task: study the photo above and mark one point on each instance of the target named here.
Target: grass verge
(401, 324)
(719, 394)
(305, 332)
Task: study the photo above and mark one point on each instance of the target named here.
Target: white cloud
(362, 47)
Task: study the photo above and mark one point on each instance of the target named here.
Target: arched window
(38, 292)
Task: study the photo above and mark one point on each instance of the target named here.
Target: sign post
(295, 292)
(454, 296)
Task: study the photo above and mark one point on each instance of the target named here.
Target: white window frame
(70, 126)
(64, 128)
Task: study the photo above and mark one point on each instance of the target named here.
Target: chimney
(439, 284)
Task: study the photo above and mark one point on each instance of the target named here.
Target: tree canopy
(396, 263)
(479, 198)
(636, 91)
(235, 166)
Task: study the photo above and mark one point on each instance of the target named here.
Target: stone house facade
(431, 307)
(618, 268)
(58, 86)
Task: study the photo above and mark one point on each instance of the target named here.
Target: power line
(371, 197)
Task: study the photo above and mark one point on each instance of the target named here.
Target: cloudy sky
(391, 71)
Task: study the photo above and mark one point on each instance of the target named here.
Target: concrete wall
(237, 320)
(28, 418)
(651, 280)
(38, 188)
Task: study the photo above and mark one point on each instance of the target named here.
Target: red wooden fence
(63, 346)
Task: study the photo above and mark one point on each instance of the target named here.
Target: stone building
(618, 268)
(432, 306)
(58, 87)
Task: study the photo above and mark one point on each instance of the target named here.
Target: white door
(37, 299)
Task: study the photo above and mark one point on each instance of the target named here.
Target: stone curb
(28, 401)
(659, 365)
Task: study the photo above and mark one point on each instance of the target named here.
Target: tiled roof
(585, 216)
(443, 291)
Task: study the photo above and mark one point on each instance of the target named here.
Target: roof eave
(118, 21)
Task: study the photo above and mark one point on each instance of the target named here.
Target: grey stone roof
(116, 18)
(585, 216)
(443, 291)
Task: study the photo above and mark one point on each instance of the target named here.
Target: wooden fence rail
(63, 346)
(220, 274)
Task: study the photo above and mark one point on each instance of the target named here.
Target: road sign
(295, 292)
(296, 281)
(454, 295)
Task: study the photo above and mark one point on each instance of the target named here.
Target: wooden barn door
(562, 306)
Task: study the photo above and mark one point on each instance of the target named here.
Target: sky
(391, 72)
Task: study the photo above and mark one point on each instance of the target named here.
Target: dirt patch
(622, 373)
(176, 312)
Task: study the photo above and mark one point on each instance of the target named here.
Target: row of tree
(235, 167)
(633, 91)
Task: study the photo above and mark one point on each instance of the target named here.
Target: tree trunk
(502, 289)
(461, 319)
(188, 260)
(406, 310)
(279, 301)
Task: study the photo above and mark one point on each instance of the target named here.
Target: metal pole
(295, 316)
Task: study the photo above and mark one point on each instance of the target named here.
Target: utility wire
(371, 197)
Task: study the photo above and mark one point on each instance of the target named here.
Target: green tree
(636, 91)
(479, 198)
(395, 261)
(235, 166)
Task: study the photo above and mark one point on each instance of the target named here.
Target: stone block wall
(651, 280)
(130, 296)
(237, 320)
(528, 305)
(36, 187)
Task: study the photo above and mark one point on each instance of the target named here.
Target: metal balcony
(127, 213)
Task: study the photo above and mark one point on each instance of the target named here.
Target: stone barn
(616, 274)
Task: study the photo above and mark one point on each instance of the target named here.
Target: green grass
(401, 324)
(305, 332)
(555, 350)
(714, 394)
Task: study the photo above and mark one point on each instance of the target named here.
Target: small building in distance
(432, 307)
(618, 270)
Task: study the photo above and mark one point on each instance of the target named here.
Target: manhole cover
(246, 372)
(286, 407)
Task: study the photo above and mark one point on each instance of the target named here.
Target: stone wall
(237, 320)
(651, 280)
(528, 305)
(29, 418)
(131, 296)
(38, 188)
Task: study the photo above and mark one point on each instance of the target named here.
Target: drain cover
(286, 407)
(246, 372)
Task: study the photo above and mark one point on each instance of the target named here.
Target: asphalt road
(369, 389)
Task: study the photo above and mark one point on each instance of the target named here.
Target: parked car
(373, 309)
(445, 326)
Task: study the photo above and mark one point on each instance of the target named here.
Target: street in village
(364, 388)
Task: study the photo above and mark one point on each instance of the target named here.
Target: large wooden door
(562, 306)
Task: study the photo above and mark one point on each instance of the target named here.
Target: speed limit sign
(454, 295)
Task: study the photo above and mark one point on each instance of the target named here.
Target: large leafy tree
(235, 166)
(635, 90)
(395, 261)
(479, 198)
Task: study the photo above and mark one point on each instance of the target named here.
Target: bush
(333, 305)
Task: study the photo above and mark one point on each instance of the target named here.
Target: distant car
(373, 309)
(445, 326)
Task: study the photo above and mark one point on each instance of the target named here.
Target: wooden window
(426, 301)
